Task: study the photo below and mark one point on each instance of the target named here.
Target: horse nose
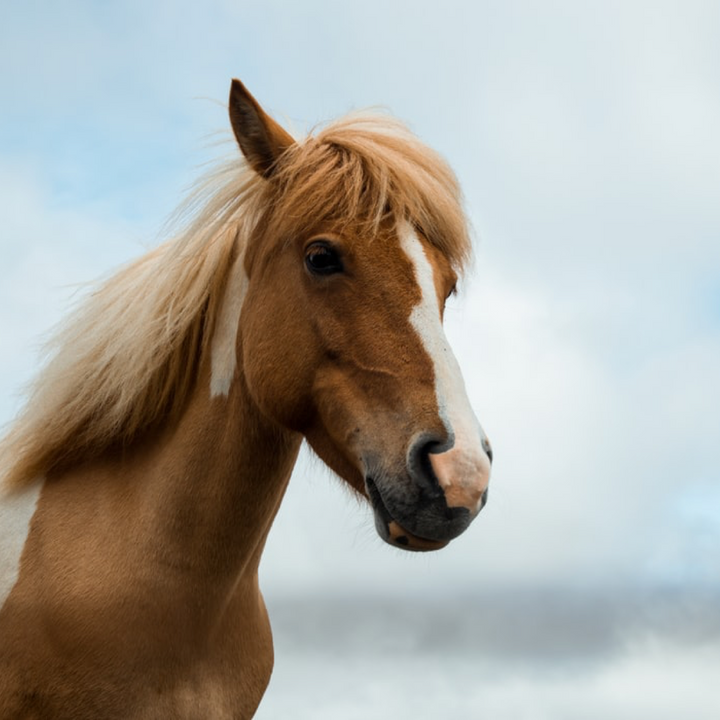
(458, 469)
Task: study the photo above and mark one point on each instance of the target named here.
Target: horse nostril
(421, 467)
(488, 449)
(483, 499)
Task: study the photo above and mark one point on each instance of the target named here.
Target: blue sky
(585, 135)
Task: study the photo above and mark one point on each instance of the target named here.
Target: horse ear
(261, 139)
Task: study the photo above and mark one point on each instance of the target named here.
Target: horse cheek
(279, 364)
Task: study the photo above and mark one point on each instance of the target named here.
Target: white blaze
(16, 511)
(223, 351)
(465, 468)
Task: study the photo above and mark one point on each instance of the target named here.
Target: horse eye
(321, 258)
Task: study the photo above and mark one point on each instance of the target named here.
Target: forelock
(363, 169)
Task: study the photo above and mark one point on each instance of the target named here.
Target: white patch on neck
(16, 511)
(223, 351)
(452, 399)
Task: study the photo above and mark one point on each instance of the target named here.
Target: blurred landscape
(516, 655)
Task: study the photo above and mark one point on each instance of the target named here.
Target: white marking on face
(464, 469)
(223, 351)
(16, 511)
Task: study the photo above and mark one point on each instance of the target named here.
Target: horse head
(341, 337)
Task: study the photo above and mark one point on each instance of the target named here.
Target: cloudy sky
(585, 135)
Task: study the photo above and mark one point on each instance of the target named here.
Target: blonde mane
(129, 356)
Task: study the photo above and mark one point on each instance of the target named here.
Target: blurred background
(586, 137)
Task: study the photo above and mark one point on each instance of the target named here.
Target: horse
(302, 299)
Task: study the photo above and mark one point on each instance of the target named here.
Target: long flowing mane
(128, 356)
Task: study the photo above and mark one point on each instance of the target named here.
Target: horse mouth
(391, 531)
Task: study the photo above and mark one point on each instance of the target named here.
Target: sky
(585, 136)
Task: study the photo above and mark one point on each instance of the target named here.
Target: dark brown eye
(321, 258)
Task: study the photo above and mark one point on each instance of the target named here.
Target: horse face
(342, 341)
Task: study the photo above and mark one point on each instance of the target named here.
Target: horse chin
(392, 532)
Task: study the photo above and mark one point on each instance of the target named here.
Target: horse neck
(144, 562)
(208, 487)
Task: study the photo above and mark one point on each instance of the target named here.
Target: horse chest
(48, 673)
(219, 699)
(88, 639)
